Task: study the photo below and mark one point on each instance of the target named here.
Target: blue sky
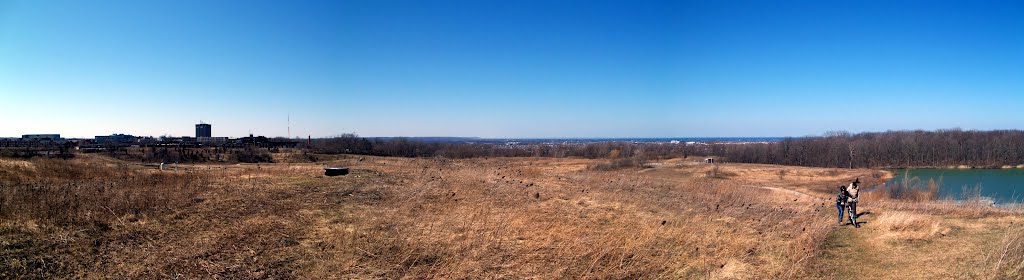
(509, 68)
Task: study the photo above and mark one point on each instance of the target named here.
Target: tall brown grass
(464, 221)
(72, 192)
(401, 218)
(912, 188)
(1007, 262)
(54, 213)
(909, 225)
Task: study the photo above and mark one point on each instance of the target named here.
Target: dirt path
(899, 244)
(895, 244)
(954, 249)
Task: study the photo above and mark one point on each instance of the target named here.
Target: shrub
(1008, 261)
(911, 188)
(719, 173)
(617, 164)
(253, 155)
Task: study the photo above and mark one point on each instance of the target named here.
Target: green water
(999, 185)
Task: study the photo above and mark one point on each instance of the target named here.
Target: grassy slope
(505, 218)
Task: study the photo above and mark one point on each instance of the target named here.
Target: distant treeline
(886, 149)
(834, 149)
(175, 154)
(404, 147)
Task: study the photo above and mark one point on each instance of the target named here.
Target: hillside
(95, 217)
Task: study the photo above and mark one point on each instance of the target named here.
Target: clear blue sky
(509, 68)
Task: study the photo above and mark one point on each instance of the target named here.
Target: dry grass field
(509, 218)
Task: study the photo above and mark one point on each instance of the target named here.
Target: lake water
(1000, 185)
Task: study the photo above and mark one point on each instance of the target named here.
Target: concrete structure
(51, 137)
(203, 130)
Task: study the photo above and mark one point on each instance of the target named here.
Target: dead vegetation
(429, 218)
(619, 163)
(716, 171)
(909, 225)
(912, 188)
(1007, 261)
(74, 192)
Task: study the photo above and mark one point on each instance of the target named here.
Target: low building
(116, 138)
(40, 137)
(212, 140)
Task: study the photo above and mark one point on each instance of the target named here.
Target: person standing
(854, 191)
(852, 195)
(841, 202)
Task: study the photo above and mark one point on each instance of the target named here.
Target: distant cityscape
(203, 138)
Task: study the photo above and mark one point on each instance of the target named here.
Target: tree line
(890, 149)
(405, 147)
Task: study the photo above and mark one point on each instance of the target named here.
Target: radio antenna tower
(289, 125)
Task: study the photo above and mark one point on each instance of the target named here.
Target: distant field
(98, 217)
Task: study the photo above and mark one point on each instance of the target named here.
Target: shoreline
(957, 167)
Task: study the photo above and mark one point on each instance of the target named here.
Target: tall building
(203, 130)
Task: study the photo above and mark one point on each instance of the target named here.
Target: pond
(999, 185)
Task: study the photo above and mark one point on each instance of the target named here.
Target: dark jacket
(842, 197)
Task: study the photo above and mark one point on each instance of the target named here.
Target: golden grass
(429, 218)
(908, 225)
(1007, 261)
